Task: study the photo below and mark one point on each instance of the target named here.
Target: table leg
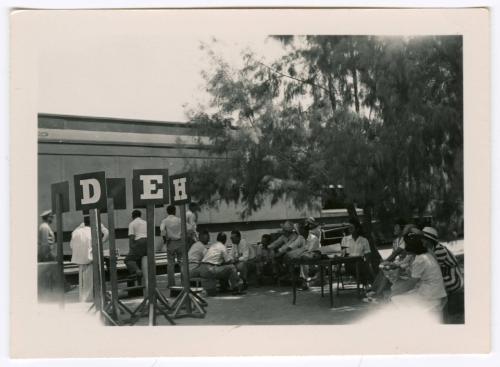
(322, 279)
(357, 277)
(330, 284)
(294, 284)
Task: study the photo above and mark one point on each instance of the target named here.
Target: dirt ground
(272, 305)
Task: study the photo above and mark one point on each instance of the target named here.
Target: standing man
(105, 243)
(137, 236)
(191, 223)
(242, 256)
(104, 231)
(171, 232)
(218, 264)
(81, 246)
(46, 238)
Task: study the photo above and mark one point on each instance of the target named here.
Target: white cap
(46, 213)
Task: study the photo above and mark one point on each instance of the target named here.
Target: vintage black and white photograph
(207, 178)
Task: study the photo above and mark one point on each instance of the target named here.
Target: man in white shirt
(137, 234)
(104, 231)
(81, 246)
(218, 264)
(197, 253)
(171, 232)
(243, 256)
(356, 245)
(46, 238)
(277, 247)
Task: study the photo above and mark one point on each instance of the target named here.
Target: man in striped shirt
(452, 275)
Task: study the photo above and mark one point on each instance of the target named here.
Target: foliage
(381, 116)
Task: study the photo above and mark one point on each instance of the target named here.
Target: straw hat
(430, 233)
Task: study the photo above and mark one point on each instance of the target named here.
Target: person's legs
(87, 288)
(228, 273)
(242, 267)
(131, 259)
(194, 271)
(170, 267)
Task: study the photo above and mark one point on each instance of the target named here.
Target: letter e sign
(90, 191)
(179, 189)
(149, 186)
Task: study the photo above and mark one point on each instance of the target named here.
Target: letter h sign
(179, 189)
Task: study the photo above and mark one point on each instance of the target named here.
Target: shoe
(370, 300)
(370, 294)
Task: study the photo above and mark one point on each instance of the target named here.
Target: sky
(150, 75)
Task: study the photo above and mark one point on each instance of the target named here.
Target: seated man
(262, 257)
(218, 264)
(288, 235)
(243, 257)
(197, 253)
(355, 244)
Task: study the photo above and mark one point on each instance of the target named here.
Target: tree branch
(291, 77)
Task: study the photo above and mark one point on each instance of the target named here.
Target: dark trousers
(224, 273)
(365, 275)
(133, 259)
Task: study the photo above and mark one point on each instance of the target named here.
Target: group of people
(420, 271)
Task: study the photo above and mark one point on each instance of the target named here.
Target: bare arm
(403, 286)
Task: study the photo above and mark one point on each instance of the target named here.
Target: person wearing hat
(314, 228)
(450, 268)
(288, 236)
(46, 238)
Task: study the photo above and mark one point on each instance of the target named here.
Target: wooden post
(59, 249)
(150, 218)
(185, 261)
(193, 304)
(112, 260)
(98, 302)
(102, 270)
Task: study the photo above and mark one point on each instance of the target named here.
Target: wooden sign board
(90, 191)
(179, 189)
(62, 189)
(150, 186)
(116, 189)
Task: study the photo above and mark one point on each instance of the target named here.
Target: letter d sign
(90, 191)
